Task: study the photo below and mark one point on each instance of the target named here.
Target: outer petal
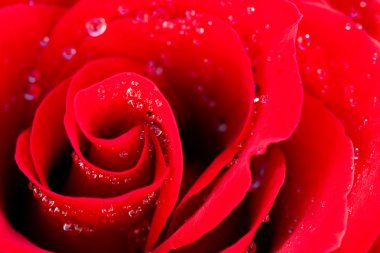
(238, 229)
(310, 212)
(340, 66)
(15, 110)
(208, 190)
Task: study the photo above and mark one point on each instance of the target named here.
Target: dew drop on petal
(304, 42)
(375, 57)
(32, 91)
(123, 10)
(222, 128)
(44, 41)
(251, 248)
(123, 154)
(68, 53)
(149, 116)
(96, 26)
(321, 73)
(255, 184)
(67, 227)
(33, 77)
(158, 102)
(154, 68)
(266, 218)
(200, 30)
(250, 10)
(348, 27)
(156, 130)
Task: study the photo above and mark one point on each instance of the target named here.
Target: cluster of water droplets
(32, 89)
(115, 214)
(62, 212)
(251, 248)
(256, 181)
(104, 177)
(154, 68)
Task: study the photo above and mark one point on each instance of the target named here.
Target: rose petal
(310, 212)
(268, 176)
(65, 222)
(343, 73)
(262, 131)
(16, 111)
(180, 46)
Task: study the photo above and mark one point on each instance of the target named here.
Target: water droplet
(359, 26)
(321, 73)
(67, 227)
(156, 130)
(46, 201)
(353, 13)
(33, 77)
(167, 25)
(264, 99)
(101, 91)
(222, 128)
(266, 218)
(304, 42)
(231, 19)
(348, 26)
(123, 10)
(134, 83)
(141, 136)
(190, 14)
(44, 41)
(141, 17)
(356, 153)
(158, 102)
(250, 10)
(196, 42)
(123, 154)
(352, 102)
(149, 198)
(149, 116)
(68, 53)
(255, 184)
(200, 30)
(375, 57)
(96, 26)
(135, 212)
(362, 4)
(32, 91)
(154, 68)
(251, 248)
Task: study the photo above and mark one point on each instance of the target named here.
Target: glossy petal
(343, 73)
(310, 213)
(16, 111)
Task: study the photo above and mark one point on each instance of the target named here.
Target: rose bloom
(189, 126)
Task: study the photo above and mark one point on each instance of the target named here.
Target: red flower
(189, 126)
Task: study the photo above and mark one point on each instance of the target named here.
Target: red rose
(189, 126)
